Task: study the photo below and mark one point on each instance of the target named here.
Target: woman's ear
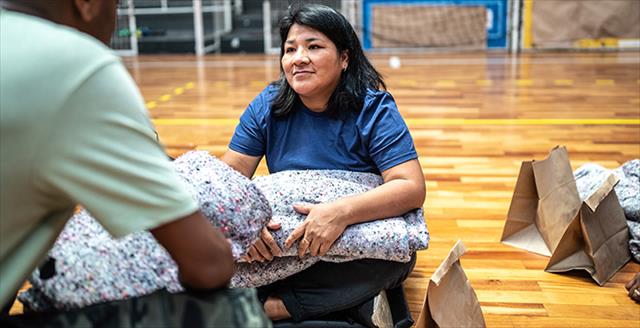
(344, 60)
(88, 9)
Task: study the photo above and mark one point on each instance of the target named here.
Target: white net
(411, 24)
(415, 25)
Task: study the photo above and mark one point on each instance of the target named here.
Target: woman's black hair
(354, 81)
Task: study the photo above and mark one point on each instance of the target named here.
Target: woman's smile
(302, 73)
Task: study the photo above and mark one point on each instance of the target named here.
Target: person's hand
(319, 230)
(633, 287)
(265, 248)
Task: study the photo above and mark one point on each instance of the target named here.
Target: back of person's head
(359, 76)
(94, 17)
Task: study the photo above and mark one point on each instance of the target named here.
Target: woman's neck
(318, 102)
(315, 104)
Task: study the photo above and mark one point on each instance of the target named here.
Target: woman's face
(311, 64)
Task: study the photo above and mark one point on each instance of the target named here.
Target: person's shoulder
(377, 100)
(54, 44)
(377, 93)
(377, 104)
(56, 60)
(374, 95)
(80, 49)
(261, 105)
(269, 93)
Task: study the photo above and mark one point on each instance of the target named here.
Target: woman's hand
(265, 248)
(403, 190)
(323, 225)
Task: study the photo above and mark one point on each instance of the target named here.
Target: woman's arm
(242, 163)
(403, 190)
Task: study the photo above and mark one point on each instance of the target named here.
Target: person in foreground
(327, 112)
(74, 130)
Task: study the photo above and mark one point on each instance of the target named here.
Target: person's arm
(201, 252)
(248, 143)
(403, 190)
(104, 155)
(242, 163)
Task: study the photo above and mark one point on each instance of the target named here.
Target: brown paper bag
(450, 299)
(547, 217)
(597, 239)
(544, 202)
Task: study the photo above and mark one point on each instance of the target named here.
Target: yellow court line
(484, 82)
(258, 84)
(527, 31)
(445, 83)
(167, 96)
(196, 121)
(407, 82)
(521, 121)
(427, 121)
(524, 83)
(605, 82)
(563, 82)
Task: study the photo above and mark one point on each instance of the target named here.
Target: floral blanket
(87, 266)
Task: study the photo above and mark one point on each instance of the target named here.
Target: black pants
(215, 308)
(328, 287)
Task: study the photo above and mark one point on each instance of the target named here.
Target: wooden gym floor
(474, 118)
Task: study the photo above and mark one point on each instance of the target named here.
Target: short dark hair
(359, 76)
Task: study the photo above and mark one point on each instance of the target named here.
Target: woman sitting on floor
(327, 111)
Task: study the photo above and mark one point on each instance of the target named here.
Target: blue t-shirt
(372, 140)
